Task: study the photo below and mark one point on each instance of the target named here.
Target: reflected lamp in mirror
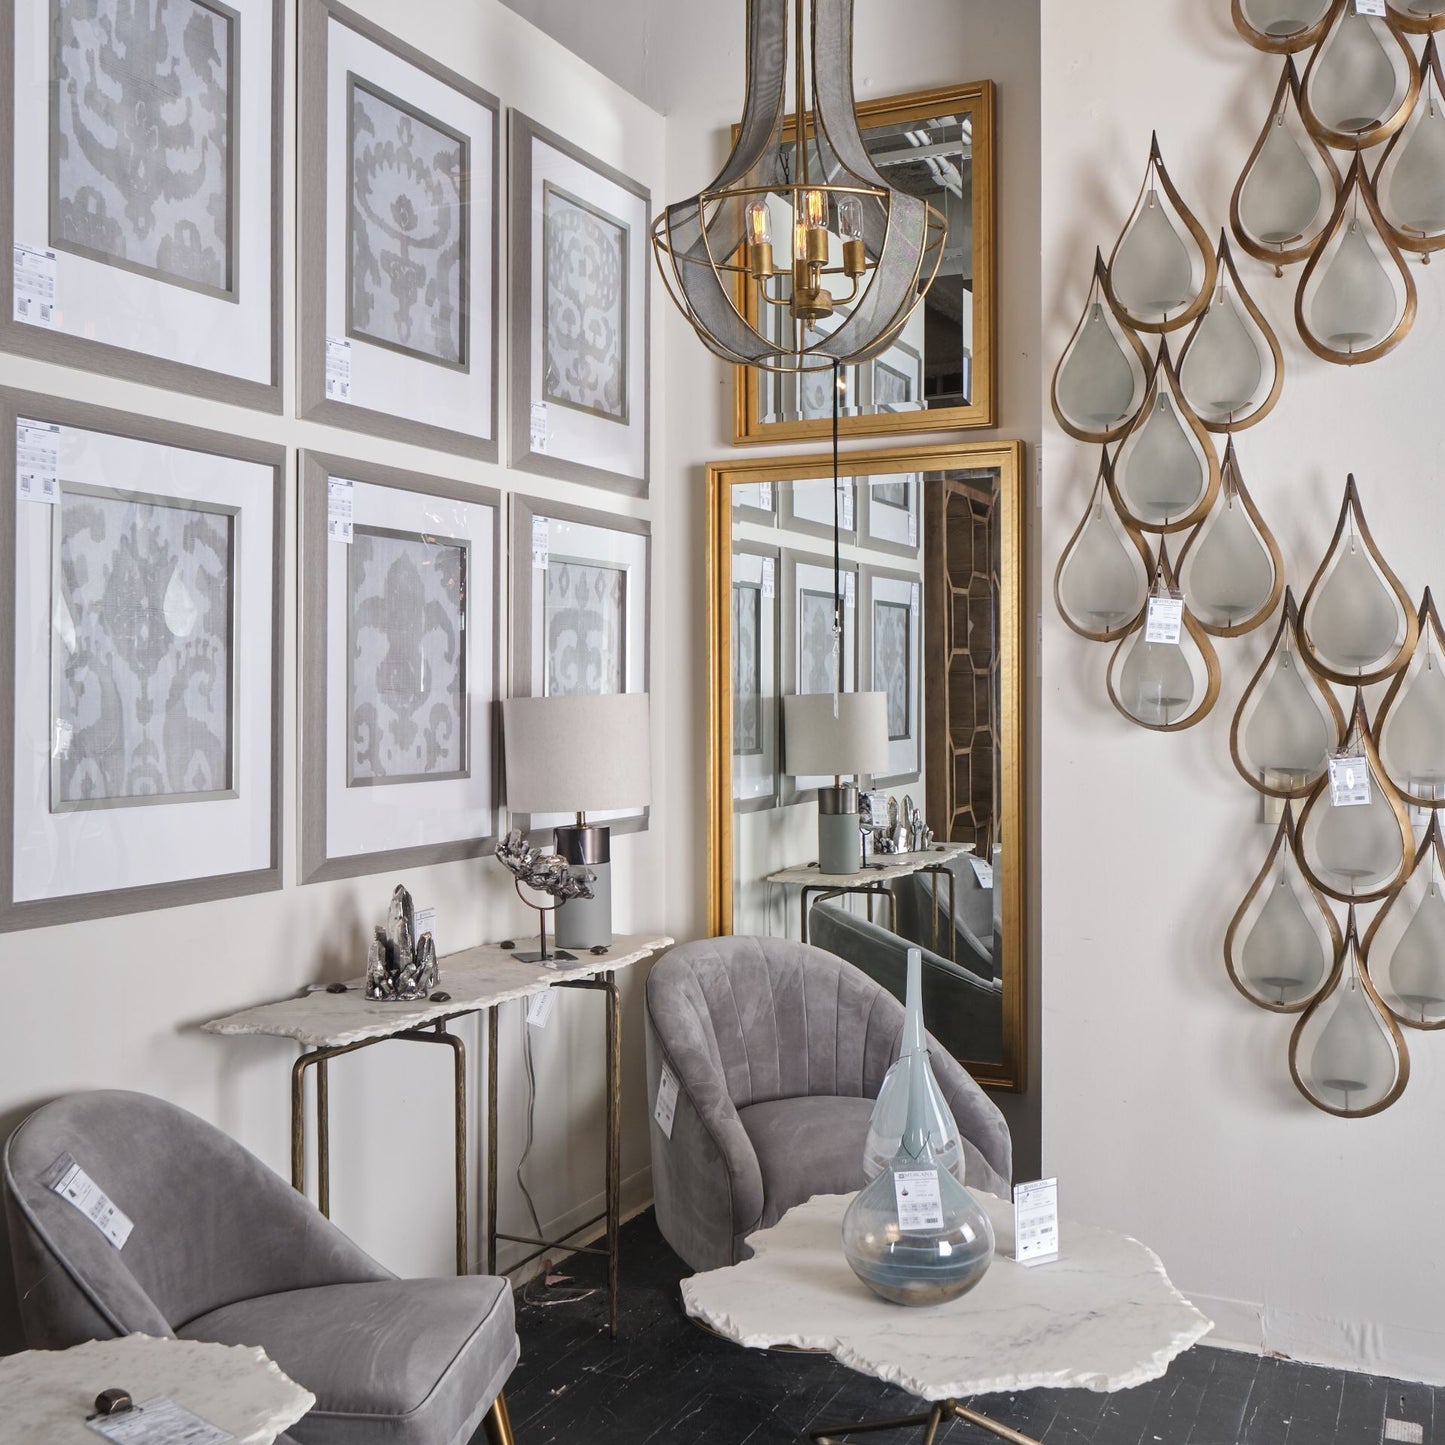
(846, 742)
(580, 755)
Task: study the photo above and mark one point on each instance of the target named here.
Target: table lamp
(852, 742)
(579, 755)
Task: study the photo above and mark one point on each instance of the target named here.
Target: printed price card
(912, 530)
(1369, 7)
(67, 1179)
(539, 1008)
(1165, 620)
(768, 584)
(1349, 781)
(37, 461)
(1036, 1221)
(845, 506)
(34, 288)
(539, 426)
(425, 920)
(340, 509)
(338, 368)
(982, 870)
(765, 496)
(541, 543)
(849, 593)
(666, 1110)
(158, 1422)
(920, 1206)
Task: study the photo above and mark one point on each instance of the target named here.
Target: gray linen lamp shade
(817, 743)
(577, 754)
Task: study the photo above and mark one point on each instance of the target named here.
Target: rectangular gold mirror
(930, 558)
(939, 374)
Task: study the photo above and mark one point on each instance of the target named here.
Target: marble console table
(1104, 1316)
(45, 1395)
(874, 880)
(476, 980)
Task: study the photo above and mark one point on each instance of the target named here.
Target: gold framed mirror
(931, 569)
(940, 373)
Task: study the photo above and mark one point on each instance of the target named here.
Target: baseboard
(1398, 1351)
(636, 1196)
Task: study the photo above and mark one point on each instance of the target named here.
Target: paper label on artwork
(67, 1179)
(768, 583)
(34, 288)
(920, 1204)
(37, 461)
(1036, 1221)
(539, 1008)
(1369, 7)
(1165, 620)
(424, 920)
(849, 594)
(666, 1110)
(912, 530)
(158, 1422)
(338, 368)
(915, 597)
(1350, 781)
(340, 510)
(541, 543)
(765, 496)
(845, 506)
(539, 426)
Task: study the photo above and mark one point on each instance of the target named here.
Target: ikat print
(408, 224)
(585, 301)
(817, 656)
(892, 666)
(747, 668)
(143, 640)
(142, 137)
(407, 650)
(585, 622)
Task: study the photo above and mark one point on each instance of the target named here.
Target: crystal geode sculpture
(399, 965)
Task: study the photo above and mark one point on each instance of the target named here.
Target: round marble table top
(1103, 1316)
(47, 1394)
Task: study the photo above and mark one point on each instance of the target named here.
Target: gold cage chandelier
(847, 227)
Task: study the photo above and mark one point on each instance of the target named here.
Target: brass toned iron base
(498, 1424)
(945, 1410)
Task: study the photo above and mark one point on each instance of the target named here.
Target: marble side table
(1104, 1316)
(47, 1394)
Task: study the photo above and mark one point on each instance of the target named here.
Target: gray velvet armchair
(226, 1251)
(779, 1050)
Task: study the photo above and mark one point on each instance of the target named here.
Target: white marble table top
(476, 978)
(894, 865)
(1104, 1316)
(45, 1395)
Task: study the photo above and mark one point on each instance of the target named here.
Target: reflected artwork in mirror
(931, 578)
(938, 145)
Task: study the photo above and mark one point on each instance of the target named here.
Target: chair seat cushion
(807, 1146)
(396, 1362)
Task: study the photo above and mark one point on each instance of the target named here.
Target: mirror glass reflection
(926, 561)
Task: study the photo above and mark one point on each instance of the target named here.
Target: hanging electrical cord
(837, 549)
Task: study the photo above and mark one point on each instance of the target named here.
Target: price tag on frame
(1164, 620)
(1349, 781)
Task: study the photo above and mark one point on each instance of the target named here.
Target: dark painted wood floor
(668, 1382)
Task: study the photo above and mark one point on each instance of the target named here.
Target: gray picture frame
(21, 339)
(523, 681)
(868, 682)
(871, 511)
(314, 470)
(312, 225)
(790, 519)
(522, 133)
(42, 913)
(771, 689)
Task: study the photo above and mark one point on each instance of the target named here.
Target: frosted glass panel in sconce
(1152, 273)
(1412, 733)
(1281, 18)
(1228, 572)
(1353, 621)
(1352, 83)
(1416, 970)
(1163, 475)
(1156, 683)
(1096, 385)
(1287, 734)
(1346, 1054)
(1283, 958)
(1222, 370)
(1281, 194)
(1103, 576)
(1357, 848)
(1415, 201)
(1354, 306)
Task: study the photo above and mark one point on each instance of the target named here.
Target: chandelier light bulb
(850, 218)
(760, 224)
(815, 210)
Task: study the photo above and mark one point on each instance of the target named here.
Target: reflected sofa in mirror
(930, 570)
(939, 145)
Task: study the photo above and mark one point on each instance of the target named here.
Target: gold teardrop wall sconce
(1357, 625)
(1162, 270)
(1288, 722)
(1356, 299)
(1101, 584)
(1164, 687)
(1283, 942)
(1359, 853)
(1166, 473)
(1286, 193)
(1231, 569)
(1409, 182)
(1404, 946)
(1410, 724)
(1231, 367)
(1419, 17)
(1361, 82)
(1100, 381)
(1347, 1055)
(1281, 26)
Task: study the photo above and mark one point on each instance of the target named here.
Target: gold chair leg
(498, 1424)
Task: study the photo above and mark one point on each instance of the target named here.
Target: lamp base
(587, 922)
(556, 956)
(840, 844)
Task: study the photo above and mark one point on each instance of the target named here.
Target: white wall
(1168, 1107)
(117, 1003)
